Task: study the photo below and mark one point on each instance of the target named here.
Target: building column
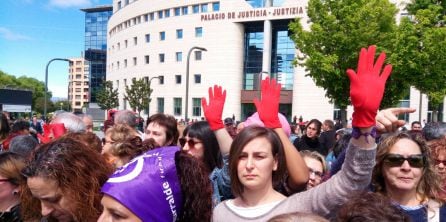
(267, 42)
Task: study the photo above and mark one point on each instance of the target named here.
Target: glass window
(161, 78)
(162, 36)
(178, 79)
(126, 2)
(177, 11)
(161, 57)
(195, 9)
(196, 106)
(197, 55)
(152, 16)
(216, 6)
(135, 40)
(160, 14)
(198, 32)
(197, 78)
(184, 9)
(177, 106)
(147, 59)
(160, 105)
(204, 7)
(119, 5)
(147, 37)
(179, 33)
(146, 17)
(179, 56)
(126, 43)
(125, 63)
(167, 13)
(135, 61)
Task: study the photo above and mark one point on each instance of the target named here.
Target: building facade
(239, 43)
(96, 19)
(78, 83)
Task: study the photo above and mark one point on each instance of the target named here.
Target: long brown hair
(195, 187)
(79, 172)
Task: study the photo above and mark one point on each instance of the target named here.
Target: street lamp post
(187, 77)
(150, 82)
(46, 84)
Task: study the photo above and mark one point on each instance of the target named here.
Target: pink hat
(254, 119)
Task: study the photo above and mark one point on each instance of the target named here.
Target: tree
(107, 97)
(338, 30)
(138, 95)
(421, 51)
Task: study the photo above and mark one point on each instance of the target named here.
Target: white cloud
(69, 3)
(10, 35)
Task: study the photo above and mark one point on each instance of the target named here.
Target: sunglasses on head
(190, 142)
(396, 160)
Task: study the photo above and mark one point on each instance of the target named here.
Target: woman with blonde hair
(317, 167)
(122, 143)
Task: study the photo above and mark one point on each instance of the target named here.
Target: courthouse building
(232, 43)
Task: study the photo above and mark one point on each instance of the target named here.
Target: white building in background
(151, 39)
(78, 86)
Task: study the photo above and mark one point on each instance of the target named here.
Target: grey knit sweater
(323, 199)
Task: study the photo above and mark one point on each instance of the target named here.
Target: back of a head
(88, 138)
(20, 125)
(370, 207)
(23, 145)
(298, 217)
(71, 122)
(434, 130)
(125, 117)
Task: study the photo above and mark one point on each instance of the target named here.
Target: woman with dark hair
(65, 176)
(11, 165)
(199, 141)
(163, 184)
(310, 140)
(256, 159)
(405, 173)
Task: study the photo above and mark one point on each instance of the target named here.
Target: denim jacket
(221, 183)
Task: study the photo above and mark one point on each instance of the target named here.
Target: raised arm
(213, 112)
(366, 92)
(268, 109)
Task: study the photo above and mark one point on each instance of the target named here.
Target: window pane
(195, 9)
(184, 10)
(179, 56)
(204, 7)
(179, 33)
(196, 107)
(177, 11)
(198, 31)
(216, 6)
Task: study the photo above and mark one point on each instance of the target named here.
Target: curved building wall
(226, 34)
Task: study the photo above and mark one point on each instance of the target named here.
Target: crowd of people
(262, 169)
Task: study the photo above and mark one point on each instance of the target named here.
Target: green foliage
(138, 95)
(421, 47)
(107, 97)
(338, 30)
(23, 82)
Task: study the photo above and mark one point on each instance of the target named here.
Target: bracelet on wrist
(356, 133)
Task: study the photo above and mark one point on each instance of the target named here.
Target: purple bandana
(148, 185)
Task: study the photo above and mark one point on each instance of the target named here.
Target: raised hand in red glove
(268, 106)
(214, 110)
(367, 86)
(52, 131)
(46, 138)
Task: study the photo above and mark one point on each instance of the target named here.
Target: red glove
(214, 110)
(367, 86)
(268, 107)
(58, 129)
(46, 138)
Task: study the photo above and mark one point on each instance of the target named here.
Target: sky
(32, 32)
